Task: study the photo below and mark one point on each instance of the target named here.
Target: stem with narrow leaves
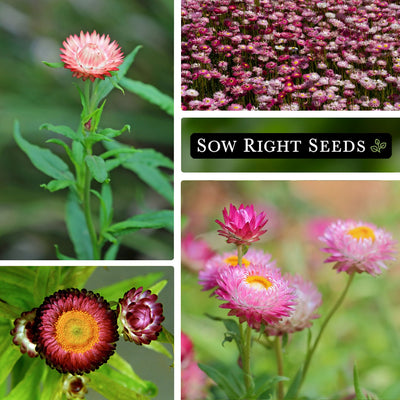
(279, 363)
(311, 351)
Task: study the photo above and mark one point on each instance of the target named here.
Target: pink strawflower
(257, 294)
(358, 247)
(242, 225)
(141, 316)
(91, 55)
(195, 252)
(308, 299)
(209, 275)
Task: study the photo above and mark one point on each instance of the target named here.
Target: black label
(291, 145)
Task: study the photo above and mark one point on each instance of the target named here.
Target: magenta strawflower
(23, 333)
(257, 294)
(141, 316)
(75, 331)
(308, 299)
(209, 275)
(242, 225)
(358, 247)
(91, 55)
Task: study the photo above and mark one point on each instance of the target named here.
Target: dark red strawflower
(141, 316)
(75, 331)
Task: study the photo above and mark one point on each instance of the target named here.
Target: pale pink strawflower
(308, 299)
(91, 55)
(242, 225)
(141, 316)
(358, 247)
(195, 252)
(257, 294)
(208, 276)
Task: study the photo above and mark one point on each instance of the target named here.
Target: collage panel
(279, 55)
(290, 144)
(289, 289)
(86, 332)
(86, 130)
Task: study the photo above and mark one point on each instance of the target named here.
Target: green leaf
(63, 145)
(10, 311)
(111, 253)
(13, 295)
(58, 184)
(117, 290)
(40, 284)
(97, 168)
(166, 337)
(106, 210)
(115, 385)
(111, 133)
(28, 388)
(116, 152)
(153, 220)
(150, 94)
(19, 276)
(156, 288)
(62, 256)
(222, 381)
(43, 159)
(52, 386)
(8, 358)
(77, 228)
(357, 387)
(268, 384)
(54, 64)
(295, 386)
(156, 346)
(105, 87)
(63, 130)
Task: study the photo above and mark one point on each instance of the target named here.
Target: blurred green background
(32, 219)
(364, 330)
(290, 125)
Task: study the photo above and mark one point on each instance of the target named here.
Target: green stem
(240, 254)
(246, 345)
(323, 326)
(279, 363)
(88, 215)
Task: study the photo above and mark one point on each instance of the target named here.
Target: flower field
(290, 55)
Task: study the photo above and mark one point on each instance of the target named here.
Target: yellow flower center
(258, 282)
(233, 261)
(76, 331)
(362, 232)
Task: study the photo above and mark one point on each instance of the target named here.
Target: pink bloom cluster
(290, 55)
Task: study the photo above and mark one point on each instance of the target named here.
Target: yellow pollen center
(362, 232)
(76, 331)
(258, 282)
(233, 261)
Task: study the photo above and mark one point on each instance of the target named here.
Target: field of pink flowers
(290, 55)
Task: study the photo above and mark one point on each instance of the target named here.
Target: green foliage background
(31, 219)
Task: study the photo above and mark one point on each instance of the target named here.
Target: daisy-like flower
(242, 225)
(23, 333)
(257, 294)
(91, 55)
(75, 331)
(358, 247)
(209, 275)
(308, 299)
(141, 316)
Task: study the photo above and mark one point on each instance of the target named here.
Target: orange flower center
(90, 56)
(76, 331)
(362, 232)
(258, 282)
(233, 261)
